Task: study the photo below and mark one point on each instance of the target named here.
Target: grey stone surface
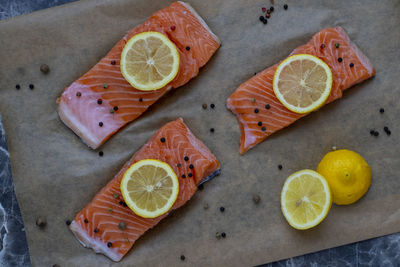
(382, 251)
(13, 246)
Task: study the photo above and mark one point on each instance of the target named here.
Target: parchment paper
(56, 175)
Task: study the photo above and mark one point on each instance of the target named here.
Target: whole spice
(115, 108)
(162, 139)
(256, 110)
(115, 196)
(256, 199)
(223, 234)
(105, 85)
(68, 222)
(285, 6)
(78, 94)
(334, 148)
(371, 132)
(191, 166)
(111, 111)
(86, 221)
(122, 226)
(113, 62)
(183, 176)
(212, 106)
(186, 158)
(267, 106)
(261, 18)
(44, 68)
(376, 133)
(267, 16)
(221, 209)
(351, 65)
(381, 110)
(322, 46)
(259, 123)
(268, 11)
(173, 28)
(101, 124)
(253, 100)
(280, 167)
(96, 230)
(271, 8)
(101, 153)
(340, 59)
(140, 99)
(99, 101)
(178, 165)
(204, 106)
(18, 87)
(41, 222)
(263, 9)
(212, 130)
(190, 174)
(187, 48)
(109, 244)
(218, 235)
(263, 129)
(337, 45)
(110, 209)
(31, 86)
(200, 187)
(182, 257)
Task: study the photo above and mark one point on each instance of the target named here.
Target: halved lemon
(305, 199)
(149, 61)
(302, 83)
(150, 188)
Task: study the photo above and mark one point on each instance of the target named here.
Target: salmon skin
(99, 103)
(96, 226)
(272, 115)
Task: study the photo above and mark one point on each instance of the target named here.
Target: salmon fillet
(99, 103)
(96, 226)
(272, 115)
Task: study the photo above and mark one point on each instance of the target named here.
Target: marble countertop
(381, 251)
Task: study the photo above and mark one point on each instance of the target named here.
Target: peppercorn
(322, 46)
(265, 21)
(113, 62)
(212, 106)
(162, 139)
(190, 174)
(41, 222)
(187, 48)
(371, 132)
(351, 65)
(253, 100)
(223, 234)
(105, 85)
(191, 166)
(200, 187)
(256, 199)
(212, 130)
(78, 94)
(256, 110)
(218, 235)
(280, 167)
(381, 110)
(44, 68)
(178, 165)
(204, 106)
(140, 99)
(182, 257)
(263, 128)
(68, 222)
(122, 226)
(101, 153)
(115, 108)
(376, 133)
(99, 101)
(109, 244)
(173, 28)
(96, 230)
(101, 124)
(340, 59)
(183, 176)
(259, 123)
(31, 86)
(267, 106)
(271, 9)
(261, 18)
(221, 209)
(186, 158)
(86, 221)
(285, 6)
(18, 86)
(337, 45)
(115, 196)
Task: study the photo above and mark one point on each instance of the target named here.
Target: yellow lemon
(150, 188)
(302, 83)
(149, 61)
(305, 199)
(348, 175)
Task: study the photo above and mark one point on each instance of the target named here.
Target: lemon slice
(150, 188)
(149, 61)
(302, 83)
(305, 199)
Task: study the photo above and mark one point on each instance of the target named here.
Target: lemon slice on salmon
(149, 61)
(305, 199)
(150, 188)
(302, 83)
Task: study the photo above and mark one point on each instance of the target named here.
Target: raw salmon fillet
(272, 115)
(99, 103)
(107, 209)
